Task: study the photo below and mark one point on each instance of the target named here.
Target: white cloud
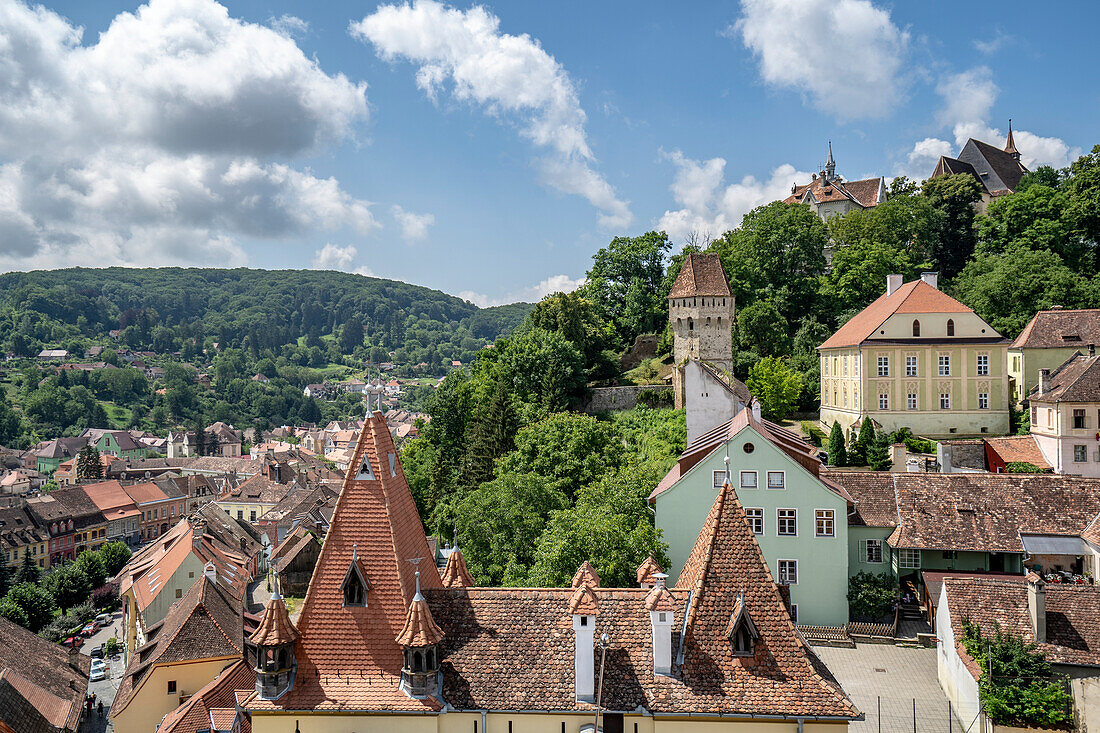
(156, 144)
(334, 257)
(967, 96)
(512, 77)
(710, 207)
(845, 55)
(289, 25)
(529, 294)
(414, 227)
(999, 40)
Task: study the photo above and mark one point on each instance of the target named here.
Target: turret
(830, 165)
(1010, 144)
(419, 640)
(274, 641)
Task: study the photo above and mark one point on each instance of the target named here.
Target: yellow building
(916, 358)
(20, 534)
(385, 644)
(1047, 340)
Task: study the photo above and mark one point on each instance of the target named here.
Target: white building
(1065, 415)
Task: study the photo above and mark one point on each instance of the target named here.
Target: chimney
(932, 278)
(660, 621)
(1037, 606)
(1092, 349)
(584, 656)
(210, 572)
(893, 282)
(198, 529)
(1044, 381)
(756, 409)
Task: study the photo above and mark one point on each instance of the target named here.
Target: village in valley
(833, 467)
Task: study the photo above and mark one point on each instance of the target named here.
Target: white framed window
(945, 400)
(911, 401)
(825, 365)
(824, 523)
(844, 364)
(909, 559)
(1080, 453)
(755, 516)
(1079, 420)
(786, 521)
(788, 572)
(884, 366)
(910, 366)
(748, 480)
(718, 479)
(872, 551)
(983, 365)
(884, 402)
(777, 480)
(983, 400)
(945, 365)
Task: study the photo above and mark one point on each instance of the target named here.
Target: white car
(99, 671)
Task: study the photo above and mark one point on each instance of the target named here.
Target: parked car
(103, 619)
(97, 652)
(99, 670)
(89, 628)
(73, 642)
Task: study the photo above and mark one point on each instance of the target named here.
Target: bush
(105, 598)
(114, 556)
(1022, 467)
(871, 597)
(113, 647)
(655, 397)
(815, 434)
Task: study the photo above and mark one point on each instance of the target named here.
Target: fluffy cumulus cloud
(334, 257)
(165, 141)
(530, 294)
(797, 44)
(709, 206)
(511, 77)
(414, 227)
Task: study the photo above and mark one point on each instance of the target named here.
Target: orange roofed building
(385, 643)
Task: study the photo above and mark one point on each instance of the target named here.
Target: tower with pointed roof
(829, 172)
(1010, 144)
(700, 310)
(273, 641)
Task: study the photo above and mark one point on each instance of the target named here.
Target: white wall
(707, 403)
(958, 684)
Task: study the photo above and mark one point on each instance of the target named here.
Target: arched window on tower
(916, 328)
(950, 327)
(691, 324)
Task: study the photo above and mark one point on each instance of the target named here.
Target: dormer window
(355, 584)
(741, 631)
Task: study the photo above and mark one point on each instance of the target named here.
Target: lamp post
(605, 640)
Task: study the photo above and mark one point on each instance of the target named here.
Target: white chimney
(1037, 606)
(584, 655)
(893, 282)
(756, 409)
(660, 620)
(210, 572)
(932, 278)
(1044, 381)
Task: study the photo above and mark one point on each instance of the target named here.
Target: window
(916, 328)
(748, 479)
(788, 572)
(824, 523)
(252, 516)
(983, 365)
(884, 402)
(983, 400)
(945, 365)
(911, 401)
(171, 687)
(950, 327)
(1034, 415)
(748, 447)
(872, 552)
(786, 522)
(240, 514)
(794, 613)
(845, 365)
(156, 513)
(910, 366)
(718, 479)
(884, 366)
(825, 364)
(355, 587)
(777, 480)
(945, 400)
(756, 520)
(1080, 453)
(179, 592)
(1078, 419)
(909, 559)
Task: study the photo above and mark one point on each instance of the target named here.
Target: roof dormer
(741, 631)
(355, 585)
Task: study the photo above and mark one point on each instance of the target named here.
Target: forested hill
(162, 308)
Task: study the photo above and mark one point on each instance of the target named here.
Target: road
(105, 689)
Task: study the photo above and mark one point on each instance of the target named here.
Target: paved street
(890, 678)
(104, 690)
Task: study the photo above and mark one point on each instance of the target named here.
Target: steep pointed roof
(456, 574)
(1010, 144)
(275, 625)
(420, 629)
(701, 274)
(583, 601)
(647, 570)
(660, 599)
(586, 575)
(376, 518)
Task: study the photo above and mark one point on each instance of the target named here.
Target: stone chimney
(659, 604)
(198, 529)
(893, 282)
(1044, 381)
(210, 572)
(932, 278)
(756, 409)
(1037, 606)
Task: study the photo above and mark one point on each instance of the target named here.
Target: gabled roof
(916, 297)
(1059, 329)
(42, 685)
(997, 171)
(701, 274)
(108, 496)
(1077, 379)
(1018, 448)
(865, 192)
(145, 493)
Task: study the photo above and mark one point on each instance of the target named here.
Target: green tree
(878, 453)
(491, 435)
(871, 597)
(776, 385)
(1022, 467)
(838, 455)
(1083, 200)
(954, 238)
(29, 571)
(624, 285)
(575, 318)
(11, 424)
(114, 555)
(89, 465)
(36, 603)
(68, 585)
(91, 564)
(762, 330)
(1036, 218)
(13, 612)
(541, 368)
(351, 335)
(858, 455)
(5, 579)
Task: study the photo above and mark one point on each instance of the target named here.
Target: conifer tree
(858, 456)
(89, 467)
(5, 579)
(28, 571)
(490, 437)
(838, 456)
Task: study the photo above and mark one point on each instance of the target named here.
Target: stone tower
(700, 309)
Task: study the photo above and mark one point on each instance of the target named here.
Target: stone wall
(645, 347)
(613, 399)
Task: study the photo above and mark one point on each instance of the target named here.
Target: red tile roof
(701, 275)
(864, 192)
(216, 698)
(42, 685)
(586, 575)
(109, 496)
(1076, 380)
(1059, 329)
(456, 574)
(1022, 448)
(420, 629)
(275, 626)
(647, 570)
(145, 493)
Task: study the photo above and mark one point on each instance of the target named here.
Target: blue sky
(489, 150)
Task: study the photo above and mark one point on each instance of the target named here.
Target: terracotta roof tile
(1058, 329)
(701, 274)
(456, 574)
(275, 626)
(216, 697)
(1018, 448)
(647, 570)
(583, 601)
(1076, 380)
(420, 629)
(586, 575)
(42, 685)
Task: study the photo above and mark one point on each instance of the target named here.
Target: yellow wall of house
(150, 702)
(529, 723)
(39, 553)
(231, 508)
(1024, 366)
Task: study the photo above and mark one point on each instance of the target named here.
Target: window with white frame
(718, 479)
(909, 559)
(777, 480)
(786, 522)
(748, 479)
(945, 365)
(1080, 453)
(945, 400)
(845, 365)
(983, 365)
(911, 401)
(910, 366)
(788, 572)
(755, 516)
(872, 551)
(884, 366)
(884, 401)
(1079, 419)
(983, 400)
(824, 523)
(825, 364)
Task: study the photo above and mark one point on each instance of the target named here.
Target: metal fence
(912, 715)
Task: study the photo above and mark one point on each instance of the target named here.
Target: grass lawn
(119, 416)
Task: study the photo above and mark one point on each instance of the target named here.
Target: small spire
(829, 160)
(726, 461)
(1010, 144)
(354, 551)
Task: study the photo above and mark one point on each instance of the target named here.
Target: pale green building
(798, 516)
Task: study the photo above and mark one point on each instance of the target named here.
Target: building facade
(998, 172)
(1065, 415)
(1049, 338)
(700, 311)
(829, 195)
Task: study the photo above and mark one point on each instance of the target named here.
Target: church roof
(997, 171)
(701, 274)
